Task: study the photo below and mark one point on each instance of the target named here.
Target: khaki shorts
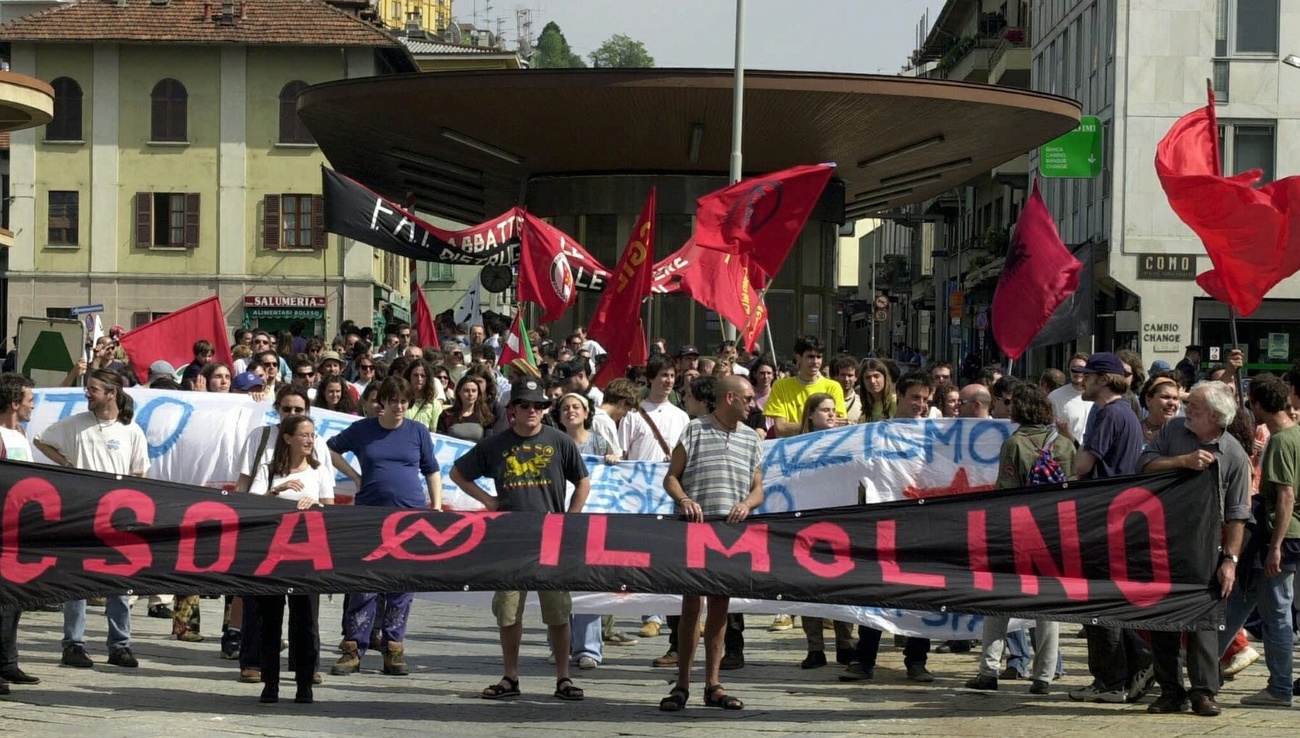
(508, 607)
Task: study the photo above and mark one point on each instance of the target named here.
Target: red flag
(1038, 275)
(1246, 231)
(171, 338)
(718, 281)
(545, 277)
(423, 317)
(620, 307)
(761, 217)
(517, 345)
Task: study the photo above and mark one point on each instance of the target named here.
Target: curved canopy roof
(464, 143)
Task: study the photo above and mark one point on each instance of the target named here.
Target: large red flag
(171, 338)
(620, 307)
(545, 277)
(716, 280)
(1246, 231)
(423, 317)
(761, 217)
(1038, 275)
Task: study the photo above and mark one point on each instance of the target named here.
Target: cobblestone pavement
(184, 689)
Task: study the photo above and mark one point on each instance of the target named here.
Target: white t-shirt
(593, 348)
(95, 445)
(1069, 405)
(317, 483)
(15, 444)
(604, 425)
(639, 442)
(246, 461)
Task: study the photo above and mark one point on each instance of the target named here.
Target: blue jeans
(585, 637)
(118, 610)
(1019, 653)
(1273, 597)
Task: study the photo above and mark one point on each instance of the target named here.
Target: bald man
(976, 400)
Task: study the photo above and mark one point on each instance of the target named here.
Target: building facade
(175, 166)
(1103, 53)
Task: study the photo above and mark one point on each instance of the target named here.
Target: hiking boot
(394, 660)
(981, 681)
(75, 656)
(732, 660)
(857, 673)
(814, 660)
(649, 630)
(162, 612)
(1094, 693)
(918, 673)
(668, 659)
(123, 658)
(350, 661)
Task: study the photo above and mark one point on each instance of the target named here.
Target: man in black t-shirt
(529, 463)
(1120, 661)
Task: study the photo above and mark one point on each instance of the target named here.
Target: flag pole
(737, 121)
(1232, 331)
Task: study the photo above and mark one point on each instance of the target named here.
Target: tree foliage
(621, 51)
(553, 50)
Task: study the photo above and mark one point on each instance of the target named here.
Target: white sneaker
(1240, 661)
(781, 622)
(586, 662)
(619, 638)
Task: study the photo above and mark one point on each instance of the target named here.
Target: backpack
(1045, 469)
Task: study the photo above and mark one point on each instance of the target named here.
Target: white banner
(196, 437)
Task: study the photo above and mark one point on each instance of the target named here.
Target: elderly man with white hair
(1198, 442)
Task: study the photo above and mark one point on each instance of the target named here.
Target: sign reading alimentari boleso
(1074, 154)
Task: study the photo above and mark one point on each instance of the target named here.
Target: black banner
(1138, 551)
(355, 211)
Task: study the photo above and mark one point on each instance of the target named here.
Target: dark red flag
(1246, 231)
(171, 338)
(1038, 275)
(761, 217)
(620, 306)
(718, 281)
(544, 274)
(423, 317)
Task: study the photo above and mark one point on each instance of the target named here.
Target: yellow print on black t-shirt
(526, 465)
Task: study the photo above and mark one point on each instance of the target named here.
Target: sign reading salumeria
(1137, 551)
(355, 211)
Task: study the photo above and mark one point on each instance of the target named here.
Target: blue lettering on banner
(68, 402)
(1001, 427)
(145, 414)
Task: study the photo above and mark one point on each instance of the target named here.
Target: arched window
(168, 111)
(292, 131)
(66, 125)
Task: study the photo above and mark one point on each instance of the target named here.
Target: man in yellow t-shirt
(785, 404)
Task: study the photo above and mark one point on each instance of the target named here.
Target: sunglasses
(365, 367)
(304, 375)
(538, 406)
(271, 364)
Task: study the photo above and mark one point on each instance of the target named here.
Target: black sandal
(565, 690)
(676, 700)
(510, 688)
(724, 700)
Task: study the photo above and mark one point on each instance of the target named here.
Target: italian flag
(517, 345)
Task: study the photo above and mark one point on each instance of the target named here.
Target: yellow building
(433, 15)
(175, 165)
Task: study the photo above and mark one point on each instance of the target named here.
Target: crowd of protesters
(1103, 415)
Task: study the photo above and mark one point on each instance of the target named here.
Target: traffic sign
(88, 309)
(1074, 154)
(881, 316)
(982, 321)
(882, 302)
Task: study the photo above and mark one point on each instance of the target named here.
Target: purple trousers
(359, 617)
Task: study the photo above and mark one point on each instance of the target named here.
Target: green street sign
(1074, 154)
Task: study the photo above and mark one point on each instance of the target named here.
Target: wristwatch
(1231, 557)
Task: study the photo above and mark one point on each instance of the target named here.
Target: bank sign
(1166, 267)
(1074, 154)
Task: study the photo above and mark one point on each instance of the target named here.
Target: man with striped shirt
(715, 472)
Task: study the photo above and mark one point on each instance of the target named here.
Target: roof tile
(278, 22)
